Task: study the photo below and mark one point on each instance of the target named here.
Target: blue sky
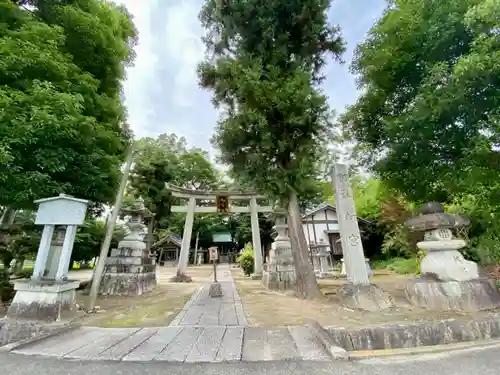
(161, 90)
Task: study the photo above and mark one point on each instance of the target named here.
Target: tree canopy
(429, 113)
(265, 67)
(62, 123)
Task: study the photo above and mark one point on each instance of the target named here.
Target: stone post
(257, 248)
(358, 293)
(43, 252)
(66, 251)
(186, 241)
(349, 230)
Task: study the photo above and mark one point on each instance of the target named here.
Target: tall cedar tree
(264, 68)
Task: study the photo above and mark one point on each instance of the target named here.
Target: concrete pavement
(206, 330)
(473, 362)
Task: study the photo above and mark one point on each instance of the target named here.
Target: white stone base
(43, 300)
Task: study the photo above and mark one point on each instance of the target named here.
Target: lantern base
(436, 295)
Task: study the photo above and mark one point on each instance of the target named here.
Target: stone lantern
(130, 270)
(447, 280)
(280, 271)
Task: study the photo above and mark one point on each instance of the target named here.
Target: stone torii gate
(223, 201)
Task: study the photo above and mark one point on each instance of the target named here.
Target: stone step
(182, 344)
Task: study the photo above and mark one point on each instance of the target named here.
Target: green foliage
(430, 101)
(268, 57)
(167, 160)
(90, 237)
(246, 260)
(24, 273)
(399, 265)
(61, 119)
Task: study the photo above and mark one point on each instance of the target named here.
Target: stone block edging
(415, 335)
(45, 334)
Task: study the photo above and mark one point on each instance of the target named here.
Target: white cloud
(184, 46)
(141, 76)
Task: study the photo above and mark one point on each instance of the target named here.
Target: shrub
(399, 265)
(245, 260)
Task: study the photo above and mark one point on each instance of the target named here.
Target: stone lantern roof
(433, 216)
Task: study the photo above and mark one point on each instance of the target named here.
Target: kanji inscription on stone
(354, 240)
(352, 246)
(350, 216)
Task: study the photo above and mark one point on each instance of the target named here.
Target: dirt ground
(269, 309)
(156, 308)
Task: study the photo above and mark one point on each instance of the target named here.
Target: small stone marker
(215, 287)
(49, 295)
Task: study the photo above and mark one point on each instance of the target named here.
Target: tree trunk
(8, 216)
(306, 284)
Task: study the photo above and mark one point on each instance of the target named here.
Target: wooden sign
(214, 254)
(222, 204)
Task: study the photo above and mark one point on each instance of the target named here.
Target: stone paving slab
(203, 310)
(207, 330)
(190, 344)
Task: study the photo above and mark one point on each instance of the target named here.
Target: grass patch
(399, 265)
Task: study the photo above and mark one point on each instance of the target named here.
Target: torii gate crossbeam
(191, 208)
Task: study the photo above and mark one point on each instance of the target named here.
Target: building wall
(314, 226)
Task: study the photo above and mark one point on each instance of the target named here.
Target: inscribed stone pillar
(257, 249)
(43, 252)
(186, 238)
(349, 230)
(67, 249)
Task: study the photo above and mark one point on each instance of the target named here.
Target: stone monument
(447, 280)
(280, 270)
(130, 270)
(359, 292)
(49, 296)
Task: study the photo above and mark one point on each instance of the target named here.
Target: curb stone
(327, 341)
(434, 349)
(32, 340)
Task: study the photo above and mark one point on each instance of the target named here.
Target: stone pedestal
(365, 297)
(43, 300)
(279, 273)
(130, 270)
(215, 290)
(436, 295)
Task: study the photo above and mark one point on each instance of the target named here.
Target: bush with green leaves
(246, 260)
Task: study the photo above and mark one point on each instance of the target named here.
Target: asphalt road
(471, 362)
